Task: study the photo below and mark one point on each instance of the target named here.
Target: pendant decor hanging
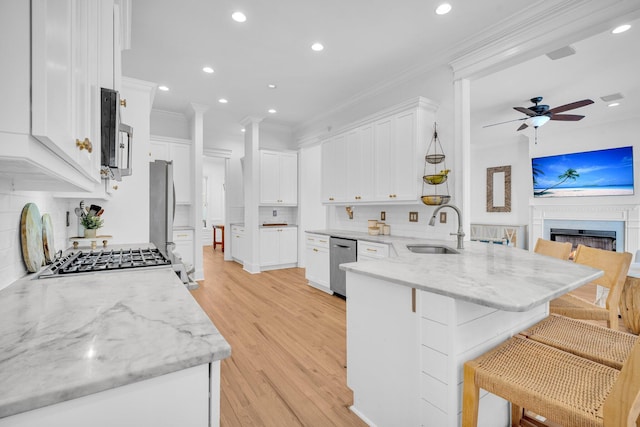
(435, 173)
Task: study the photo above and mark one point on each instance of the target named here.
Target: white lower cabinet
(237, 243)
(183, 240)
(278, 247)
(317, 261)
(372, 251)
(189, 397)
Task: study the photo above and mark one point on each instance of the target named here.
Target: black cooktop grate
(115, 259)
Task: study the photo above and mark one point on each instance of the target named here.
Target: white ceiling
(367, 43)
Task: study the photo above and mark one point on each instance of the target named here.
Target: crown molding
(169, 139)
(217, 152)
(537, 30)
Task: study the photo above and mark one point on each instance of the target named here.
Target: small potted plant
(91, 223)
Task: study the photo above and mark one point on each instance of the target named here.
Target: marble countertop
(492, 275)
(67, 337)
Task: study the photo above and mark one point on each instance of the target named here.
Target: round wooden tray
(31, 237)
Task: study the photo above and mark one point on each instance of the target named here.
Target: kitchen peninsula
(109, 348)
(414, 319)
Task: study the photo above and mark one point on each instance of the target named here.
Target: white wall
(166, 123)
(276, 137)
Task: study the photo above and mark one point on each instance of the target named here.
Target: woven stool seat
(561, 386)
(577, 308)
(602, 345)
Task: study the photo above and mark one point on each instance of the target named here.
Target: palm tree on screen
(569, 174)
(536, 172)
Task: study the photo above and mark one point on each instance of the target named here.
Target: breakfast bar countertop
(492, 275)
(67, 337)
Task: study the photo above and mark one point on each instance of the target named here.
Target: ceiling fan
(539, 114)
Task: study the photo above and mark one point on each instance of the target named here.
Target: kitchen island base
(180, 398)
(406, 348)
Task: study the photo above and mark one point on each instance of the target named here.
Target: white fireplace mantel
(629, 214)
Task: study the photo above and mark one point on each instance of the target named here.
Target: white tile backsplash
(11, 203)
(284, 215)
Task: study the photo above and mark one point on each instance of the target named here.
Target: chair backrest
(560, 250)
(622, 405)
(615, 266)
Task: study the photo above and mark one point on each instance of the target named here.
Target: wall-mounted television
(606, 172)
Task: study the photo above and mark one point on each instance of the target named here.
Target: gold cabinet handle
(371, 250)
(123, 102)
(413, 300)
(115, 187)
(315, 250)
(84, 145)
(330, 199)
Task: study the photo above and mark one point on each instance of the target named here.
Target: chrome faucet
(460, 232)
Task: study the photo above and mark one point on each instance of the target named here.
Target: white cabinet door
(237, 243)
(383, 146)
(405, 175)
(278, 246)
(158, 151)
(180, 154)
(269, 177)
(65, 91)
(288, 249)
(360, 164)
(317, 261)
(269, 246)
(289, 178)
(334, 170)
(183, 240)
(278, 178)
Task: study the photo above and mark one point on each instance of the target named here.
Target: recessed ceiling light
(614, 104)
(620, 29)
(272, 111)
(222, 101)
(243, 130)
(443, 9)
(238, 16)
(271, 86)
(317, 47)
(163, 88)
(207, 70)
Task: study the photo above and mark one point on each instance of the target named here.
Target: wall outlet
(413, 216)
(443, 217)
(275, 212)
(383, 216)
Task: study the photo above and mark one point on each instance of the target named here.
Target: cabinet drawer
(317, 240)
(237, 229)
(181, 235)
(372, 250)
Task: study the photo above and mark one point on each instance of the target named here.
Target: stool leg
(516, 415)
(470, 397)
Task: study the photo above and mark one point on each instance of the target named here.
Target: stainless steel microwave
(116, 138)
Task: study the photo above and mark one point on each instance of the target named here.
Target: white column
(251, 175)
(462, 124)
(197, 131)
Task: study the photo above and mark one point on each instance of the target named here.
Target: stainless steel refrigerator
(162, 206)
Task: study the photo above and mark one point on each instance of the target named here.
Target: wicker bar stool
(615, 266)
(558, 385)
(597, 343)
(552, 248)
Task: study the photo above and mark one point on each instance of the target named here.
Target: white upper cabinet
(65, 82)
(278, 178)
(378, 159)
(179, 152)
(334, 170)
(50, 131)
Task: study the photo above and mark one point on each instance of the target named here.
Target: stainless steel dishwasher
(341, 251)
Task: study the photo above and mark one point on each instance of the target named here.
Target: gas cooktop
(105, 260)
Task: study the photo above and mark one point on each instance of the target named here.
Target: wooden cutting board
(48, 242)
(31, 237)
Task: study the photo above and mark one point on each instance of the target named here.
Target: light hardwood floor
(288, 347)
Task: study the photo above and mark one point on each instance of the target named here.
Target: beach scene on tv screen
(592, 173)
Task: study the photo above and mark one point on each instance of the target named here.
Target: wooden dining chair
(615, 266)
(562, 387)
(552, 248)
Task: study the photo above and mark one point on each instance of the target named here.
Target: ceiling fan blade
(571, 106)
(526, 111)
(508, 121)
(567, 117)
(522, 126)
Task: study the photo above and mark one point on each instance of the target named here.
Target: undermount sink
(431, 249)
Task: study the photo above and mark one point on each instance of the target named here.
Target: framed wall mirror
(499, 189)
